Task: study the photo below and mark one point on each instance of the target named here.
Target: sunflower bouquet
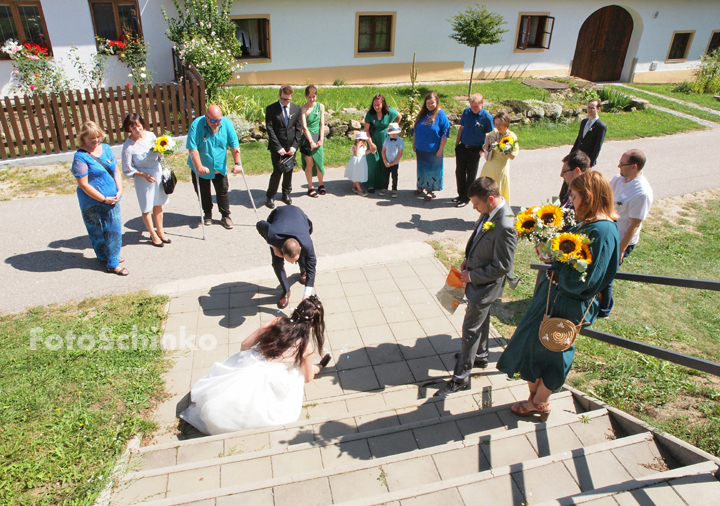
(166, 145)
(541, 224)
(573, 249)
(506, 145)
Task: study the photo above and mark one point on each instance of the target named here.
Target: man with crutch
(207, 142)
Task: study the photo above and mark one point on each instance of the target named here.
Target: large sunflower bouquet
(506, 145)
(541, 224)
(573, 249)
(166, 145)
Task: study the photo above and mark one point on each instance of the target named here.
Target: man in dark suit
(287, 231)
(590, 138)
(284, 129)
(488, 262)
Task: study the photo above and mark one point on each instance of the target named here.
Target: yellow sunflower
(507, 140)
(568, 245)
(551, 215)
(161, 144)
(526, 221)
(585, 254)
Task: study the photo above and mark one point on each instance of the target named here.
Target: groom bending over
(287, 231)
(488, 262)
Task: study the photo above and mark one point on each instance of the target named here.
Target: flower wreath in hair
(307, 314)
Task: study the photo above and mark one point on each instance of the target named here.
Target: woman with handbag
(142, 163)
(564, 296)
(99, 191)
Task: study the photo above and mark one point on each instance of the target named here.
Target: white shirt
(633, 199)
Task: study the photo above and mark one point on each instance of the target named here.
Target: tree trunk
(472, 70)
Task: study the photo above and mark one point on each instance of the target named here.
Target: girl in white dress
(140, 162)
(263, 384)
(357, 168)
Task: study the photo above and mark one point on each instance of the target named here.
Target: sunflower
(162, 144)
(585, 254)
(507, 140)
(568, 245)
(551, 215)
(526, 221)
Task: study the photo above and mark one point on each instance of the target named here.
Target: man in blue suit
(287, 231)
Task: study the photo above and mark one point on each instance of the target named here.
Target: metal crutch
(250, 194)
(202, 217)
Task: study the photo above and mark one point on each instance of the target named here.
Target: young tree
(474, 27)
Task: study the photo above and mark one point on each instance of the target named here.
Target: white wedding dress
(246, 392)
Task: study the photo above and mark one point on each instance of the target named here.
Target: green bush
(242, 126)
(686, 87)
(707, 75)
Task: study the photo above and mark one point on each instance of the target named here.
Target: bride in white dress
(263, 384)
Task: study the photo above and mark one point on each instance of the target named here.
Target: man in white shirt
(633, 200)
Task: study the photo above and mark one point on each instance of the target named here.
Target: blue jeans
(607, 302)
(104, 227)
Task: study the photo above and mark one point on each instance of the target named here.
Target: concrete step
(335, 480)
(380, 442)
(352, 414)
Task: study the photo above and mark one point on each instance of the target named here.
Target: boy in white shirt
(392, 151)
(633, 200)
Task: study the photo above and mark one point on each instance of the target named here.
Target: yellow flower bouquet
(506, 145)
(165, 144)
(572, 249)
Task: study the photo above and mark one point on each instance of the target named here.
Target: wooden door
(602, 45)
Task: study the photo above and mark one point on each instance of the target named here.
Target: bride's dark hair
(308, 318)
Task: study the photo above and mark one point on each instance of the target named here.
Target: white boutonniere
(489, 225)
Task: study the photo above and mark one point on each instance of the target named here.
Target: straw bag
(559, 334)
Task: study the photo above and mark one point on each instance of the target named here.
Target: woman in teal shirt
(377, 120)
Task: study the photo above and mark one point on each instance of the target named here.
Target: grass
(669, 104)
(66, 415)
(676, 399)
(703, 99)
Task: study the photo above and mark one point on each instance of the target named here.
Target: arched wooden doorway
(602, 44)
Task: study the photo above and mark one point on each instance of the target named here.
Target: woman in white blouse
(140, 162)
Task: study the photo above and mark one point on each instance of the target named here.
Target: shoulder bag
(168, 178)
(559, 334)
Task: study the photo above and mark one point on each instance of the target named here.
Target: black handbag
(170, 181)
(287, 163)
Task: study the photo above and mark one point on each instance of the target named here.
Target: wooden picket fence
(45, 124)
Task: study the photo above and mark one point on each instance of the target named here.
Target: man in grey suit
(488, 262)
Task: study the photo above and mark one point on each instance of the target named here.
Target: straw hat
(393, 128)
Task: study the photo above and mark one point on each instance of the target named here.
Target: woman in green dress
(376, 124)
(311, 145)
(545, 370)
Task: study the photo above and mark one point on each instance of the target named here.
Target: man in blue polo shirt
(207, 142)
(475, 122)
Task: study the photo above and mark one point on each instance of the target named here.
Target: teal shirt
(212, 148)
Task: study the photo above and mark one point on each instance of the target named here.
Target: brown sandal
(542, 409)
(121, 272)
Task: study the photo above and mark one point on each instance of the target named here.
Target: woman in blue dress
(570, 296)
(99, 191)
(429, 137)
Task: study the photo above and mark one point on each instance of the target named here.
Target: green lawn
(66, 415)
(669, 104)
(676, 399)
(703, 99)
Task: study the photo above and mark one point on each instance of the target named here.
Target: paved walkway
(47, 256)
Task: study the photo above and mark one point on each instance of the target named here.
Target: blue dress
(427, 143)
(102, 221)
(525, 354)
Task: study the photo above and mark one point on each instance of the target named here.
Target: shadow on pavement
(53, 261)
(430, 227)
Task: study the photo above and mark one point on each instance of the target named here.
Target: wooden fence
(49, 123)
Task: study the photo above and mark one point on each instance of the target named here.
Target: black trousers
(221, 185)
(278, 265)
(467, 160)
(276, 175)
(387, 172)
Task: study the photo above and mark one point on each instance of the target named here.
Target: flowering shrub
(204, 35)
(132, 51)
(215, 64)
(35, 70)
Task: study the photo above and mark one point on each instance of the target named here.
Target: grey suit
(489, 255)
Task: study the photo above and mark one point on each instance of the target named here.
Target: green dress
(318, 154)
(378, 132)
(525, 354)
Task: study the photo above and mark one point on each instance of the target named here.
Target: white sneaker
(382, 192)
(394, 194)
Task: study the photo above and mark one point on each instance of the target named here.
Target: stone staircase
(403, 446)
